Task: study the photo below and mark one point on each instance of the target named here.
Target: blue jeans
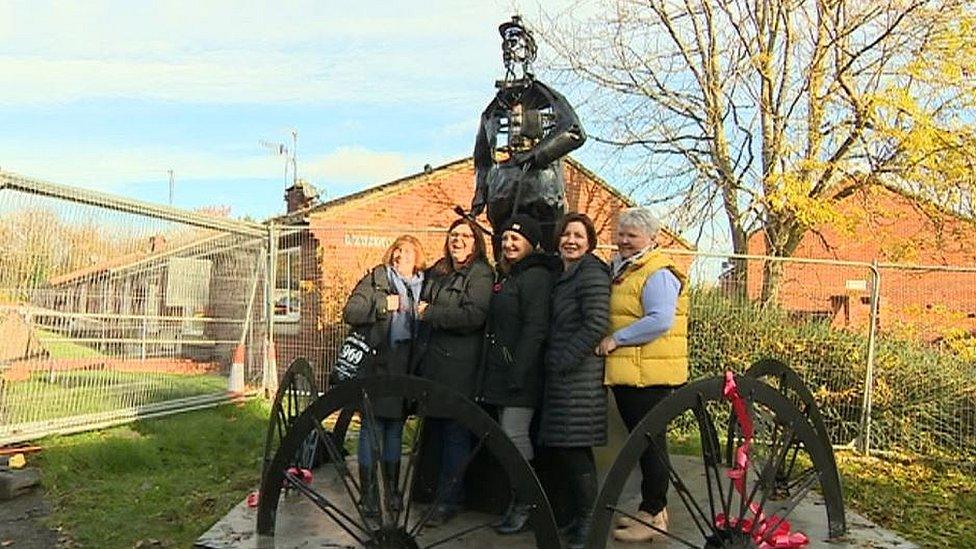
(388, 433)
(455, 446)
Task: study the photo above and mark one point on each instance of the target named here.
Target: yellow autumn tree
(767, 113)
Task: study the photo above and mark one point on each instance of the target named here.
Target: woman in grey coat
(574, 405)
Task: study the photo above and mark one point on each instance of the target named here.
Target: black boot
(391, 474)
(584, 497)
(370, 502)
(516, 519)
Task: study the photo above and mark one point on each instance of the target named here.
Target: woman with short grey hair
(641, 219)
(646, 353)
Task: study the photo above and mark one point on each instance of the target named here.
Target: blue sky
(110, 95)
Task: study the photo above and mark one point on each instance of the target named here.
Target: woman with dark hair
(383, 306)
(574, 402)
(518, 322)
(454, 307)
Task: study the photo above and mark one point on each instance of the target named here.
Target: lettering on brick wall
(367, 240)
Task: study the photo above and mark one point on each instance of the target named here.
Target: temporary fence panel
(811, 315)
(924, 399)
(112, 309)
(318, 266)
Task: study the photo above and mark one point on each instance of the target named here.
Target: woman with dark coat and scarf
(574, 402)
(383, 306)
(518, 322)
(454, 305)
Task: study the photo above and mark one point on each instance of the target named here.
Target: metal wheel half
(398, 523)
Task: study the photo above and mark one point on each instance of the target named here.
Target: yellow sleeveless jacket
(663, 361)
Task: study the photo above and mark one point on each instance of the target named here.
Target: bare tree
(768, 112)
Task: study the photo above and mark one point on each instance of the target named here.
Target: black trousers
(633, 403)
(573, 466)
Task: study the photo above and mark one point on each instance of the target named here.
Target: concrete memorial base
(306, 526)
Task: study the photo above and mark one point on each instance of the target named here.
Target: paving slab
(305, 526)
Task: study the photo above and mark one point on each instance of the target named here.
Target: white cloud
(108, 169)
(352, 165)
(233, 52)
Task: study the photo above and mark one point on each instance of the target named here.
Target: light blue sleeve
(659, 299)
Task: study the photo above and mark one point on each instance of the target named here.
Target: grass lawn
(168, 479)
(932, 505)
(59, 347)
(80, 392)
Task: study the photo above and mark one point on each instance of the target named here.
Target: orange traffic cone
(235, 383)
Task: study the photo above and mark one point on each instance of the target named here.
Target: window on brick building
(287, 295)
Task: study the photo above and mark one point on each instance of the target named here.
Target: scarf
(620, 265)
(403, 321)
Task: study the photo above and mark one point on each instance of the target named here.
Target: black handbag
(355, 355)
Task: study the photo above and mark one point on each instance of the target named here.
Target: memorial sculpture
(525, 131)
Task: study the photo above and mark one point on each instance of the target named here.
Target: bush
(924, 400)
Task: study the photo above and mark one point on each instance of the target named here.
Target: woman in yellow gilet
(646, 353)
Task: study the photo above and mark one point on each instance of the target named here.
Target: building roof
(131, 260)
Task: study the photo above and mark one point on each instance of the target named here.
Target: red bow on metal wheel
(768, 532)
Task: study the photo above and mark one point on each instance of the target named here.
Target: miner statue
(524, 132)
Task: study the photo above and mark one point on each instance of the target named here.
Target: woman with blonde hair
(383, 307)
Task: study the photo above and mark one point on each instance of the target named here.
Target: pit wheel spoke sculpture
(296, 392)
(399, 524)
(781, 377)
(738, 505)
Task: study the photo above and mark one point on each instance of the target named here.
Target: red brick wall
(879, 224)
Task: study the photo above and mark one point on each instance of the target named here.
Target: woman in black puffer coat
(574, 405)
(518, 322)
(454, 305)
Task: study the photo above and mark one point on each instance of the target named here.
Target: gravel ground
(21, 523)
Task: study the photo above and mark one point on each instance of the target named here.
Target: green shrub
(924, 400)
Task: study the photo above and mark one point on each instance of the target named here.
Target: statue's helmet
(518, 46)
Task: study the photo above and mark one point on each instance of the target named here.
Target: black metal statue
(521, 172)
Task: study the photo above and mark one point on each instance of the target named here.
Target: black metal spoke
(652, 527)
(376, 480)
(326, 506)
(710, 451)
(799, 479)
(409, 475)
(767, 479)
(679, 486)
(339, 462)
(457, 535)
(771, 529)
(442, 491)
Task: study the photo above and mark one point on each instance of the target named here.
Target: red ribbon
(252, 499)
(303, 475)
(780, 537)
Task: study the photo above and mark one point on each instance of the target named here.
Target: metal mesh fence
(814, 320)
(110, 309)
(330, 260)
(924, 398)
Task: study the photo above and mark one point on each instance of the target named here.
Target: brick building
(336, 242)
(881, 224)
